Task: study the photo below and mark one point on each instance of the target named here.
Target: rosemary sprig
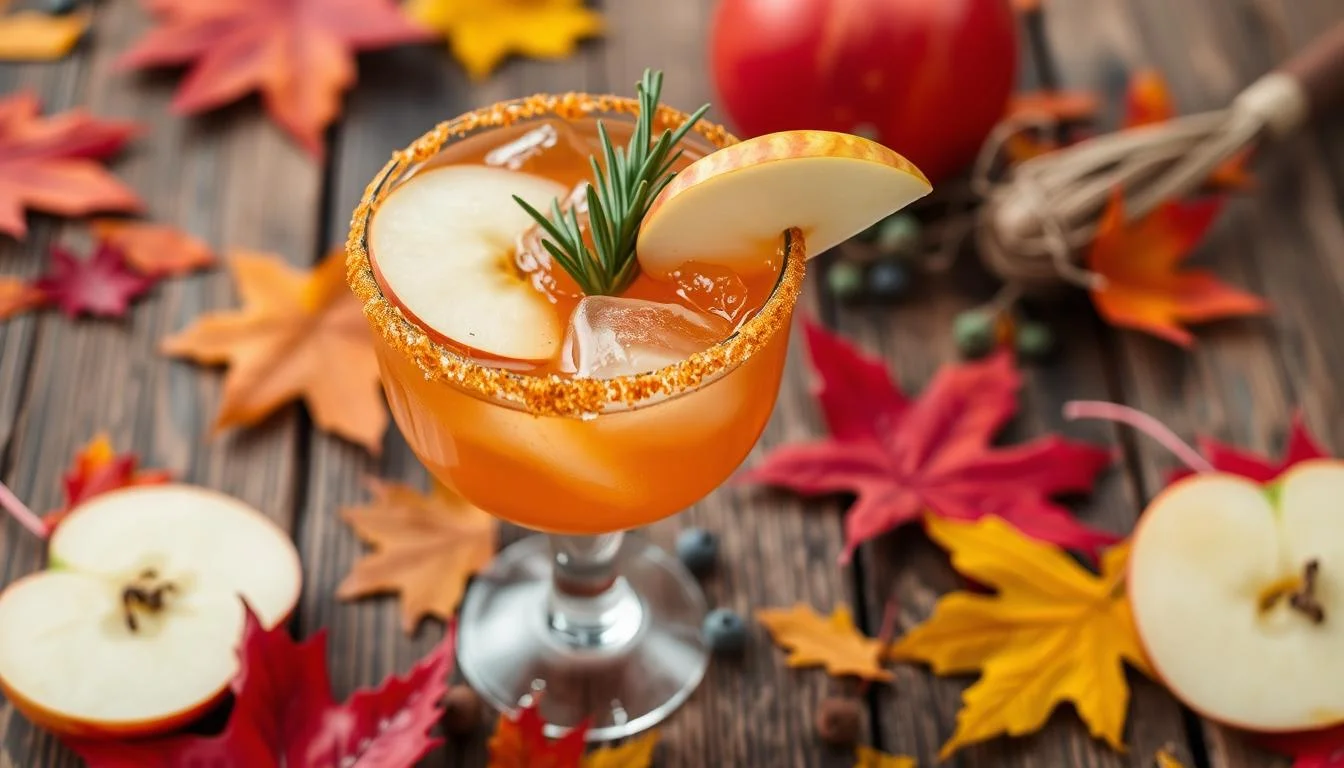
(618, 197)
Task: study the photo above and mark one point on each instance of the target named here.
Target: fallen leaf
(1061, 106)
(1309, 749)
(37, 36)
(1143, 288)
(520, 742)
(867, 757)
(427, 547)
(903, 457)
(1164, 759)
(50, 164)
(298, 334)
(1302, 446)
(98, 468)
(18, 296)
(154, 249)
(1148, 101)
(1054, 632)
(298, 53)
(832, 642)
(284, 714)
(102, 285)
(635, 753)
(482, 33)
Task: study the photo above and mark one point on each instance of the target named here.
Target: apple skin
(1268, 735)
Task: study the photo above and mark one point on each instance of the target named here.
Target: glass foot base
(623, 682)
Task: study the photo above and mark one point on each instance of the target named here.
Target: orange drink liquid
(544, 443)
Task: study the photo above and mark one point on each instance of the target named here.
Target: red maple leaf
(520, 742)
(297, 53)
(98, 469)
(284, 715)
(1311, 749)
(904, 457)
(103, 284)
(1302, 446)
(51, 165)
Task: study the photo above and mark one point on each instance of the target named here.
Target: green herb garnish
(617, 199)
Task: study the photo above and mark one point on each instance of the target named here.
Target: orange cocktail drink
(552, 373)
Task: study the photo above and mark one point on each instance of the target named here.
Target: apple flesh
(134, 629)
(732, 205)
(1237, 591)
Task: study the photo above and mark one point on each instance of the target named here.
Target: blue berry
(725, 631)
(898, 235)
(1034, 341)
(697, 549)
(973, 332)
(61, 7)
(888, 280)
(844, 279)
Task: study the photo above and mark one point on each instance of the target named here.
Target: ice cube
(534, 151)
(713, 289)
(532, 258)
(612, 336)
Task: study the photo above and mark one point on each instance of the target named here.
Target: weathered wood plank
(233, 179)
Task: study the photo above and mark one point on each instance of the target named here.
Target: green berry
(845, 279)
(725, 632)
(888, 279)
(697, 549)
(1034, 340)
(898, 235)
(973, 332)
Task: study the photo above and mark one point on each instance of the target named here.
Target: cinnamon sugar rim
(554, 395)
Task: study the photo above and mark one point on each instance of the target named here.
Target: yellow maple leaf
(1165, 759)
(867, 757)
(635, 753)
(1054, 632)
(832, 642)
(37, 36)
(483, 32)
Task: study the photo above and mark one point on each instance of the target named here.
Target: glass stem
(591, 605)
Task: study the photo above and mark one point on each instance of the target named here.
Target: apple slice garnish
(1238, 596)
(134, 628)
(732, 205)
(442, 248)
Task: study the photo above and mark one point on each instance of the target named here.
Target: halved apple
(1238, 596)
(732, 205)
(442, 245)
(134, 629)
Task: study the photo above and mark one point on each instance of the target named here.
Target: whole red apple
(927, 78)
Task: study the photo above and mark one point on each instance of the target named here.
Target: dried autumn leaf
(520, 742)
(1148, 101)
(1143, 287)
(298, 335)
(1165, 759)
(902, 457)
(482, 33)
(1060, 106)
(1302, 446)
(98, 468)
(1054, 632)
(102, 285)
(36, 36)
(635, 753)
(427, 547)
(1309, 749)
(298, 53)
(284, 714)
(50, 164)
(867, 757)
(832, 642)
(154, 249)
(18, 296)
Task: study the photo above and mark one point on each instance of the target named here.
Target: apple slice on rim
(134, 629)
(732, 205)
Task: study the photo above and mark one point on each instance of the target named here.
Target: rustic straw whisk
(1033, 226)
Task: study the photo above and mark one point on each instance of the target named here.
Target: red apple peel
(20, 512)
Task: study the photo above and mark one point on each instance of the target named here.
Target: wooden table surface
(233, 178)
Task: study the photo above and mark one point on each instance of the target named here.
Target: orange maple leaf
(520, 742)
(298, 335)
(50, 164)
(18, 296)
(297, 53)
(1148, 101)
(831, 641)
(155, 250)
(97, 469)
(428, 546)
(1063, 106)
(1142, 287)
(37, 36)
